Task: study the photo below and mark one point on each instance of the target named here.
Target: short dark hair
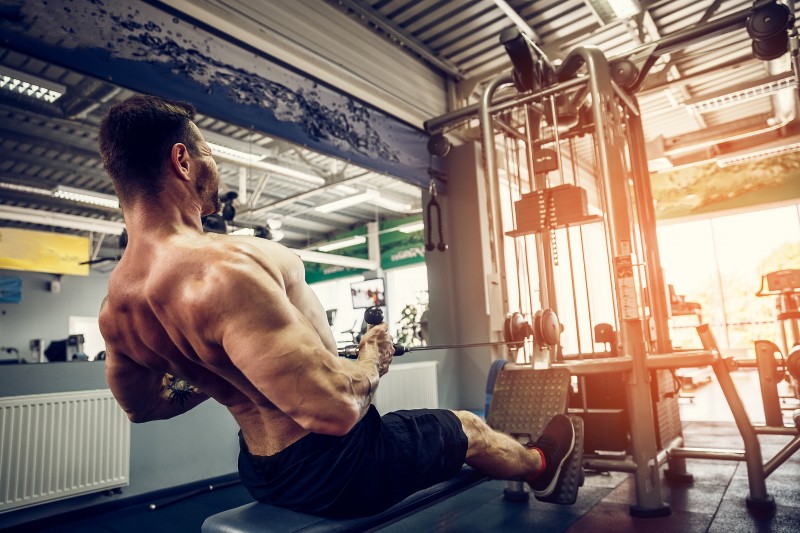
(136, 138)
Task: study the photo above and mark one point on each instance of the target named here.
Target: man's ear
(179, 160)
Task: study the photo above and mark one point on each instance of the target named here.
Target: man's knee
(476, 430)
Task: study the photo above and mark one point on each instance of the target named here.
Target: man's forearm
(175, 397)
(368, 360)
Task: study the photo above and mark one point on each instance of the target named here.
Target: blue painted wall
(144, 48)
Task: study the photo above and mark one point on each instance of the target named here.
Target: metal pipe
(489, 158)
(656, 285)
(505, 102)
(624, 465)
(700, 32)
(606, 365)
(785, 453)
(708, 453)
(663, 455)
(755, 467)
(611, 168)
(768, 379)
(771, 430)
(687, 359)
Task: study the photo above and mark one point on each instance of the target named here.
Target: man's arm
(272, 344)
(147, 395)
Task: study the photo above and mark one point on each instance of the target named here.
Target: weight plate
(538, 337)
(551, 329)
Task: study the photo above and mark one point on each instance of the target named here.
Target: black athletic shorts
(380, 462)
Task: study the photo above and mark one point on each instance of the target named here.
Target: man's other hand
(379, 339)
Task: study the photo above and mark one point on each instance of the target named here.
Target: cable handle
(433, 203)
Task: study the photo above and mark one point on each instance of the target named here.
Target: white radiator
(408, 386)
(54, 446)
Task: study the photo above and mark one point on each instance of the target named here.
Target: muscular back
(227, 315)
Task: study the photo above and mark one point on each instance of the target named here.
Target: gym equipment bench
(268, 519)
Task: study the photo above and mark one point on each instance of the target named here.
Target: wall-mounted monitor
(368, 293)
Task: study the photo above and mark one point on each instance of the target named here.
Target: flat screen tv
(368, 293)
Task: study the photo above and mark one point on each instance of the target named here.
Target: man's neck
(162, 217)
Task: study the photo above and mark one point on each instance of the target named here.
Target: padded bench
(261, 517)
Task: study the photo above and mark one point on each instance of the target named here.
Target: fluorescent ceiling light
(345, 243)
(86, 197)
(248, 232)
(741, 96)
(29, 85)
(269, 167)
(755, 156)
(347, 202)
(610, 10)
(392, 205)
(624, 8)
(412, 227)
(218, 149)
(310, 256)
(46, 218)
(345, 189)
(25, 189)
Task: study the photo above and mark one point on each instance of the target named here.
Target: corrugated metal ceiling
(45, 145)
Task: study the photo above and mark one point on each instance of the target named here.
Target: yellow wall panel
(39, 251)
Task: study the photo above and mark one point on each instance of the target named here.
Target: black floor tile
(735, 517)
(616, 518)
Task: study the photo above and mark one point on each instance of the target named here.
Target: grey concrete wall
(458, 283)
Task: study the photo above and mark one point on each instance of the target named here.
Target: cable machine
(576, 172)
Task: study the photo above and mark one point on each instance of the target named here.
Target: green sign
(398, 249)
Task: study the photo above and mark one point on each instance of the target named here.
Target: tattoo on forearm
(179, 389)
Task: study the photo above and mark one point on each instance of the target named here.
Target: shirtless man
(192, 315)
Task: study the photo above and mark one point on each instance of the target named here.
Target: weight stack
(533, 210)
(664, 391)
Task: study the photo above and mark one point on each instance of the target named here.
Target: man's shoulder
(220, 269)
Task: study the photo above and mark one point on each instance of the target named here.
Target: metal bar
(611, 168)
(771, 430)
(755, 467)
(298, 197)
(768, 379)
(447, 346)
(663, 454)
(785, 453)
(656, 285)
(508, 129)
(702, 32)
(605, 365)
(493, 189)
(537, 238)
(708, 453)
(623, 465)
(685, 359)
(505, 102)
(626, 99)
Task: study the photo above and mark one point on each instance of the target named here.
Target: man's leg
(501, 457)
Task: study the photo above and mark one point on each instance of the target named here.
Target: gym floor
(714, 502)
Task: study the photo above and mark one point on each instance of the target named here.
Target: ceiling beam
(60, 220)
